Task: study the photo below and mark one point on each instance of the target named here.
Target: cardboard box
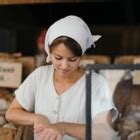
(10, 74)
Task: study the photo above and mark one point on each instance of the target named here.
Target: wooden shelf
(7, 2)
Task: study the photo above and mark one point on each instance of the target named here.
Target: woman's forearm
(99, 131)
(75, 130)
(21, 117)
(18, 115)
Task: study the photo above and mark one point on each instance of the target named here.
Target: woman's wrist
(40, 119)
(63, 127)
(60, 127)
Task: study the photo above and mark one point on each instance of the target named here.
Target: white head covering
(73, 27)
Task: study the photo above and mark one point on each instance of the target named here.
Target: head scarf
(73, 27)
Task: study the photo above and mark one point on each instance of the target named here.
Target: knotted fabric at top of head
(73, 27)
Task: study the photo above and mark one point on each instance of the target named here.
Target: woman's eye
(73, 60)
(58, 58)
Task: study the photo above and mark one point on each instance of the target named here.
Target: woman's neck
(71, 78)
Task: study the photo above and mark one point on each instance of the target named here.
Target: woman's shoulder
(97, 76)
(99, 81)
(42, 71)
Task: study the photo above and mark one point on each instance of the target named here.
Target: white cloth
(73, 27)
(38, 93)
(113, 80)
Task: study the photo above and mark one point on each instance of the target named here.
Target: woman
(52, 98)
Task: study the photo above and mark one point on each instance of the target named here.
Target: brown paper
(10, 74)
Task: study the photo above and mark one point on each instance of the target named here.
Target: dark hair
(70, 43)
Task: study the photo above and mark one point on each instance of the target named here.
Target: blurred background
(117, 22)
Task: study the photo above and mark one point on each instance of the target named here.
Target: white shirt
(37, 93)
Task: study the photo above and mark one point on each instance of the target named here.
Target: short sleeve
(101, 97)
(25, 93)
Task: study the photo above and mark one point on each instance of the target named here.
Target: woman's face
(64, 61)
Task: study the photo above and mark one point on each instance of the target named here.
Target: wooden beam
(5, 2)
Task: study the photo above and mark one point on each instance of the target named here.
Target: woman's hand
(50, 132)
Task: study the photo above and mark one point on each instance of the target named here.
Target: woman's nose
(64, 64)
